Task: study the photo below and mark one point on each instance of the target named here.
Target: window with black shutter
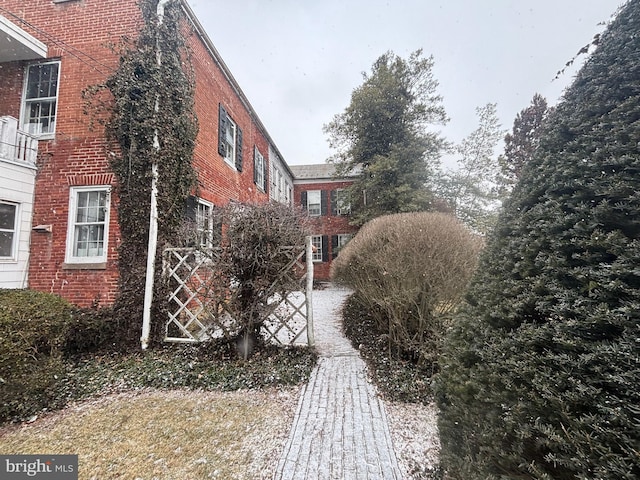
(229, 139)
(259, 170)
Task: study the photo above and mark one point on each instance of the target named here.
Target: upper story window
(341, 202)
(259, 170)
(8, 230)
(88, 224)
(314, 202)
(229, 139)
(41, 98)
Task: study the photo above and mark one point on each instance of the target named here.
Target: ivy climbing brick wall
(78, 34)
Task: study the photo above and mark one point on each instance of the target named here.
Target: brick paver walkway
(340, 430)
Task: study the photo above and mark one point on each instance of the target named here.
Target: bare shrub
(251, 266)
(409, 272)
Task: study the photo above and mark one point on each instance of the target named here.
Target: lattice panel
(196, 314)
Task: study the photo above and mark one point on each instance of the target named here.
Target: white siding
(16, 186)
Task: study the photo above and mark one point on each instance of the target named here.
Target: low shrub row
(38, 331)
(52, 353)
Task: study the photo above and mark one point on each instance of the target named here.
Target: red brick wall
(326, 225)
(78, 34)
(220, 182)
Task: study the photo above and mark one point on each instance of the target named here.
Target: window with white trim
(343, 204)
(229, 139)
(259, 169)
(88, 231)
(341, 240)
(8, 230)
(40, 98)
(314, 202)
(204, 223)
(316, 242)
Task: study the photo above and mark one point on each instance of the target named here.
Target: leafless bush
(409, 272)
(251, 266)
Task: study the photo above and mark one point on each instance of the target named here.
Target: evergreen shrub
(541, 370)
(409, 271)
(92, 330)
(33, 330)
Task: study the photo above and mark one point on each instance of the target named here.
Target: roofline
(229, 77)
(314, 180)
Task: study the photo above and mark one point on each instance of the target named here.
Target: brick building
(58, 227)
(324, 198)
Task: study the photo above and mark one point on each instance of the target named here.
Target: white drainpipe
(153, 215)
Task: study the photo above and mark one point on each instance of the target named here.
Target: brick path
(340, 430)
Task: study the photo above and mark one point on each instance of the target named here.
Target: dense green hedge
(33, 332)
(541, 376)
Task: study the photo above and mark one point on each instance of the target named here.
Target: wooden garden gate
(194, 315)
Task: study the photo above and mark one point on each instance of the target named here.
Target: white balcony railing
(16, 145)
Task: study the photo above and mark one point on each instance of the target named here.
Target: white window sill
(84, 266)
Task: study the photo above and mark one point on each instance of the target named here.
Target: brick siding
(326, 225)
(78, 34)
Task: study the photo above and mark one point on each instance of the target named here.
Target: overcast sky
(298, 61)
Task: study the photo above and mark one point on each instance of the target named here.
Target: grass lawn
(180, 434)
(174, 412)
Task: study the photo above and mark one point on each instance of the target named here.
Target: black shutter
(255, 165)
(303, 199)
(325, 248)
(265, 169)
(190, 208)
(334, 205)
(222, 127)
(323, 202)
(217, 226)
(334, 246)
(238, 149)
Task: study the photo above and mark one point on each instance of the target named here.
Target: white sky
(298, 61)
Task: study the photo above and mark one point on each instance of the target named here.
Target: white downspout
(153, 213)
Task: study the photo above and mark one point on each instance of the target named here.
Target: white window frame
(13, 254)
(204, 223)
(343, 239)
(314, 208)
(289, 198)
(343, 205)
(230, 138)
(74, 194)
(259, 169)
(316, 242)
(35, 128)
(274, 181)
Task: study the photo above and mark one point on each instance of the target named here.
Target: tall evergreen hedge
(541, 372)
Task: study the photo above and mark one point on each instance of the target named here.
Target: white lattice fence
(198, 310)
